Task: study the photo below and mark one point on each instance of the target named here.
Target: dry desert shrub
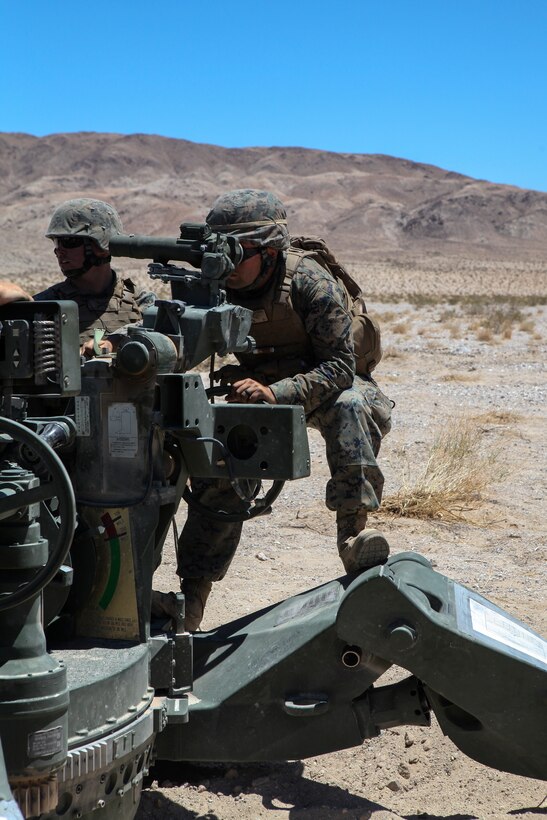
(459, 377)
(484, 334)
(401, 327)
(458, 472)
(385, 316)
(474, 302)
(497, 417)
(454, 328)
(494, 319)
(392, 353)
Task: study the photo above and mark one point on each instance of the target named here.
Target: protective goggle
(68, 241)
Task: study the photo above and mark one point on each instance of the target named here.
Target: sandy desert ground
(478, 358)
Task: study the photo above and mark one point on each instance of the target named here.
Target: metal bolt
(403, 636)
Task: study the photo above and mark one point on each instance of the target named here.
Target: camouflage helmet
(255, 217)
(91, 218)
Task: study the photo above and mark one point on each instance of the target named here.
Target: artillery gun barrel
(195, 243)
(161, 249)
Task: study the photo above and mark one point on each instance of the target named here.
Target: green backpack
(367, 342)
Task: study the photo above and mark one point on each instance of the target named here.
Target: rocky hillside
(368, 206)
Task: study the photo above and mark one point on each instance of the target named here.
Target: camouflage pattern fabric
(352, 425)
(351, 413)
(110, 311)
(206, 546)
(258, 218)
(89, 218)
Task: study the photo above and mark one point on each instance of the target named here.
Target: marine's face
(247, 271)
(70, 252)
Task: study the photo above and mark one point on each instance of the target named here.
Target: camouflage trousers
(352, 425)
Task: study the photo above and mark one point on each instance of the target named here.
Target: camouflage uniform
(350, 411)
(110, 310)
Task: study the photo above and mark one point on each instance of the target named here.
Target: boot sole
(369, 549)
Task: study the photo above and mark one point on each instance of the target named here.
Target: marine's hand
(249, 391)
(10, 292)
(88, 349)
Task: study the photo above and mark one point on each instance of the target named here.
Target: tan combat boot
(358, 547)
(164, 605)
(196, 591)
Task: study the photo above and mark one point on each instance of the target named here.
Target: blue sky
(461, 84)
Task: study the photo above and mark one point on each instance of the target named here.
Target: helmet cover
(257, 218)
(91, 218)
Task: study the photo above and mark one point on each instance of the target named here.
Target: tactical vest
(109, 311)
(283, 348)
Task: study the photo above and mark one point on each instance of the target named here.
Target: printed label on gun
(81, 415)
(479, 617)
(46, 743)
(503, 629)
(123, 435)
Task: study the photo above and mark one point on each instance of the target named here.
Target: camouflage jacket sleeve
(320, 303)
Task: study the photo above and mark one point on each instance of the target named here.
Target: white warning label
(123, 437)
(505, 630)
(81, 415)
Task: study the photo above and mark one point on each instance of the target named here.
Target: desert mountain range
(368, 206)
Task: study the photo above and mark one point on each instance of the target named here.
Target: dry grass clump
(497, 417)
(498, 320)
(401, 327)
(392, 353)
(463, 300)
(459, 377)
(454, 328)
(484, 334)
(385, 316)
(457, 475)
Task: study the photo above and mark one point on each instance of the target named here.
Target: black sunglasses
(68, 241)
(248, 253)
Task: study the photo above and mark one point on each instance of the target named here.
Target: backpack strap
(316, 248)
(365, 329)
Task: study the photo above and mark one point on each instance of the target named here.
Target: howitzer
(94, 459)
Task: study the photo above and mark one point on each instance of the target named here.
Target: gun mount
(94, 459)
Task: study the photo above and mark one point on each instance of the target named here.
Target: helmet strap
(265, 269)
